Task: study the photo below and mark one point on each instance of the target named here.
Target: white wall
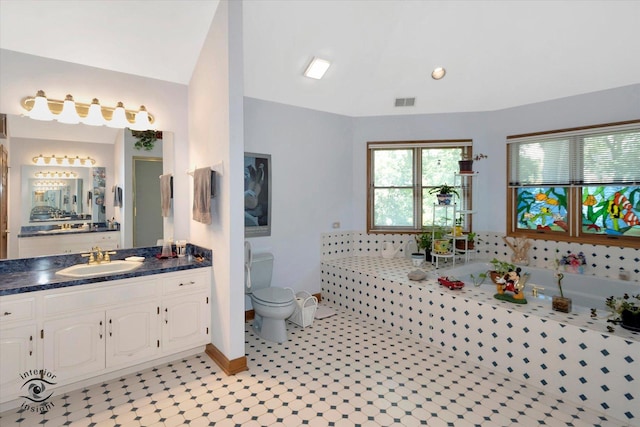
(216, 136)
(311, 161)
(23, 75)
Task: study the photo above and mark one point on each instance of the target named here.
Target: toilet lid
(274, 295)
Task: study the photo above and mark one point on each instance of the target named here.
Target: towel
(117, 197)
(165, 194)
(202, 195)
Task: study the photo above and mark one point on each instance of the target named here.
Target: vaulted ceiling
(497, 54)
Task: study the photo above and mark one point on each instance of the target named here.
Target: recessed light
(317, 68)
(438, 73)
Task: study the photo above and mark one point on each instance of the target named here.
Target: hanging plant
(145, 138)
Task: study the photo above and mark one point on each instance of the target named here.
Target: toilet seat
(273, 296)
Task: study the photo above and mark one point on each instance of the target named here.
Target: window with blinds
(578, 184)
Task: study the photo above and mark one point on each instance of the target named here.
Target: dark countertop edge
(63, 233)
(98, 279)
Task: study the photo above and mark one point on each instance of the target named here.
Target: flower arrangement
(573, 260)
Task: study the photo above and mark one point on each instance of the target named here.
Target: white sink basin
(88, 270)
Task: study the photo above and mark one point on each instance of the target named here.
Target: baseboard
(230, 367)
(250, 314)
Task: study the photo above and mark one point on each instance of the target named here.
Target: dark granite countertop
(38, 274)
(39, 231)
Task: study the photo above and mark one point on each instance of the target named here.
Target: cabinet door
(74, 346)
(185, 322)
(132, 334)
(18, 355)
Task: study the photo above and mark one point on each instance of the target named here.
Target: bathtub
(585, 291)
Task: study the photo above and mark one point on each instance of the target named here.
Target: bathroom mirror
(86, 197)
(55, 194)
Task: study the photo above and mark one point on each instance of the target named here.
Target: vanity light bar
(42, 108)
(65, 174)
(48, 184)
(63, 161)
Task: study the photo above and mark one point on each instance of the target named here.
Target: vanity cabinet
(18, 343)
(185, 311)
(132, 334)
(80, 332)
(74, 346)
(57, 244)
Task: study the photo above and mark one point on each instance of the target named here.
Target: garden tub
(585, 291)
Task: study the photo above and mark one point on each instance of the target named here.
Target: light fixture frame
(55, 106)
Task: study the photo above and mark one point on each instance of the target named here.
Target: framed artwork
(257, 195)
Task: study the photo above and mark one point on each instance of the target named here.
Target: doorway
(147, 214)
(4, 201)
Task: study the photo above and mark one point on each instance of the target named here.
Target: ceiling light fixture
(63, 161)
(438, 73)
(69, 111)
(317, 68)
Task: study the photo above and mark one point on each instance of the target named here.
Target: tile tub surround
(602, 261)
(572, 356)
(37, 274)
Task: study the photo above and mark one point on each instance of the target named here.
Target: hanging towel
(117, 197)
(202, 195)
(165, 194)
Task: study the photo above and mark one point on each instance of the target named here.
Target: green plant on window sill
(444, 189)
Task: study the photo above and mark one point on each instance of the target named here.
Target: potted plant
(423, 242)
(500, 269)
(627, 309)
(466, 164)
(441, 244)
(444, 193)
(469, 244)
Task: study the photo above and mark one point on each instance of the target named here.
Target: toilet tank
(261, 270)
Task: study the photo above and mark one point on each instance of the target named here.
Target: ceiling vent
(405, 102)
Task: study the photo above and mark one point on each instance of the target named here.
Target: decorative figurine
(511, 287)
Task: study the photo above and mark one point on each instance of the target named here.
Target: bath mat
(323, 312)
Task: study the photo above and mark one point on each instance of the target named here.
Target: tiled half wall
(602, 261)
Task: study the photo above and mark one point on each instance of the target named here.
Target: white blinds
(600, 156)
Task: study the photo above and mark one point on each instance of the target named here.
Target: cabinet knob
(7, 313)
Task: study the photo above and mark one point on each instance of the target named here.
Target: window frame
(417, 146)
(574, 194)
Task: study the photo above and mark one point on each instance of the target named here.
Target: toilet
(271, 305)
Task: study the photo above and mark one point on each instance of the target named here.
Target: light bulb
(119, 118)
(40, 110)
(69, 114)
(94, 118)
(142, 120)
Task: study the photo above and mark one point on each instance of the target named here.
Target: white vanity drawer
(13, 310)
(126, 292)
(193, 280)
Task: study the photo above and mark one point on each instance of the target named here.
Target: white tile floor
(341, 371)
